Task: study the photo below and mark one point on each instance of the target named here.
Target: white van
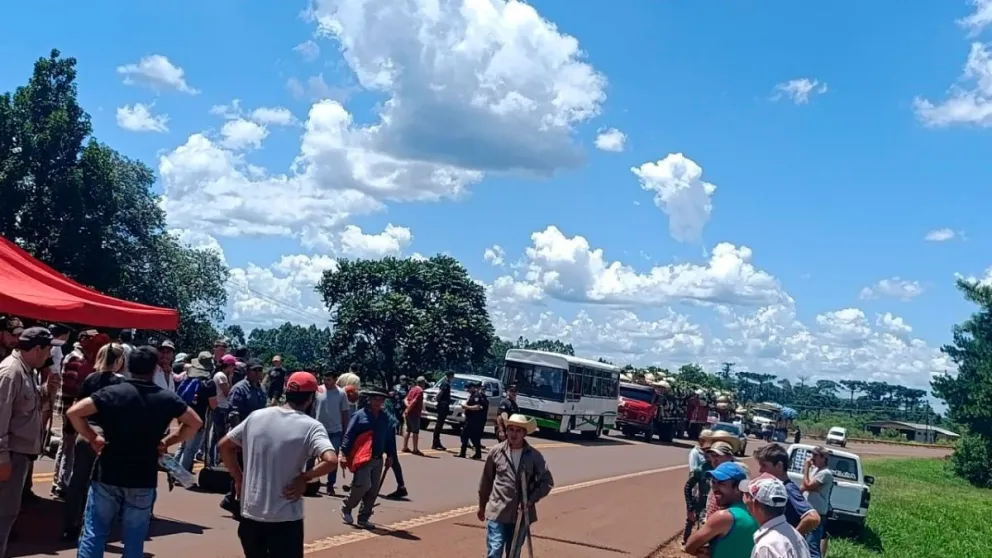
(837, 436)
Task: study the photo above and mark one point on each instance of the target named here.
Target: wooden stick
(526, 514)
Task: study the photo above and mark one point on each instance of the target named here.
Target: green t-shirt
(739, 541)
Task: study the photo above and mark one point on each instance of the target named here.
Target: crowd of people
(116, 406)
(729, 515)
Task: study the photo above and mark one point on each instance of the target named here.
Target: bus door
(573, 390)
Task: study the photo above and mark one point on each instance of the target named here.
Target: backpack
(188, 389)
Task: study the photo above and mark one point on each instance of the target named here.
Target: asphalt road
(612, 496)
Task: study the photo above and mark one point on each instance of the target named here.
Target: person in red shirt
(414, 408)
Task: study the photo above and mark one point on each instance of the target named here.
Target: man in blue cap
(730, 531)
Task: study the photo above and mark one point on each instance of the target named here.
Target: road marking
(358, 536)
(43, 477)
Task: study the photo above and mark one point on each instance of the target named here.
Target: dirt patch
(671, 549)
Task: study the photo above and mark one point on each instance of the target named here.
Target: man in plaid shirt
(78, 364)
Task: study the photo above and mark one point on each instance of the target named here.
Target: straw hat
(522, 421)
(720, 436)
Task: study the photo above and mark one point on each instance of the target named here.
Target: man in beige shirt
(501, 491)
(20, 421)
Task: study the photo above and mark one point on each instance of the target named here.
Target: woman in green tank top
(730, 531)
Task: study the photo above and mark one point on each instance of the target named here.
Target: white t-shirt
(778, 539)
(162, 379)
(125, 371)
(515, 455)
(330, 405)
(820, 500)
(277, 442)
(221, 379)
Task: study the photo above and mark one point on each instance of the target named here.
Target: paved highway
(612, 496)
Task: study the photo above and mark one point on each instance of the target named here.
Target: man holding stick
(514, 479)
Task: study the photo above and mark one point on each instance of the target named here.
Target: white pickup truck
(851, 496)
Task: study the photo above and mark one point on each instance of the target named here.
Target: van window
(844, 468)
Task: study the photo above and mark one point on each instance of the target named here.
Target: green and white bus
(564, 393)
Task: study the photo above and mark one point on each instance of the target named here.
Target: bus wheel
(593, 434)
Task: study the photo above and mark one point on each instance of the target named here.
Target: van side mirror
(869, 480)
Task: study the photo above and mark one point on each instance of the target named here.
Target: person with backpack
(199, 392)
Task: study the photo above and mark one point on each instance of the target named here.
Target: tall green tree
(406, 316)
(968, 393)
(301, 348)
(89, 212)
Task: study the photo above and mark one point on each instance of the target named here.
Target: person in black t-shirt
(133, 414)
(109, 362)
(476, 410)
(507, 408)
(199, 392)
(443, 402)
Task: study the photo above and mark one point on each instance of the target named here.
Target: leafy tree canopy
(89, 212)
(405, 316)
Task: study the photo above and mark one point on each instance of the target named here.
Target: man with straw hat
(514, 478)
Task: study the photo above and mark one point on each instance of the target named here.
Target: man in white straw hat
(514, 479)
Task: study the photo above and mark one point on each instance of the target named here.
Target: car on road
(837, 436)
(851, 495)
(734, 429)
(492, 387)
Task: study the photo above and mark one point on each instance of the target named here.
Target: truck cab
(637, 410)
(851, 496)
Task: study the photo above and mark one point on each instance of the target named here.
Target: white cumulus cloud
(139, 118)
(611, 140)
(681, 193)
(893, 288)
(494, 255)
(940, 235)
(156, 72)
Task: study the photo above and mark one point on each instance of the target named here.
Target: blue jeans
(104, 505)
(335, 437)
(499, 539)
(187, 451)
(815, 536)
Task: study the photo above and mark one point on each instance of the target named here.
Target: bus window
(574, 386)
(587, 383)
(537, 381)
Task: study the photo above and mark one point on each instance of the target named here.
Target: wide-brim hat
(202, 365)
(374, 392)
(721, 436)
(522, 421)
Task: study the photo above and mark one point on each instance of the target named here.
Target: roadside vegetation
(920, 509)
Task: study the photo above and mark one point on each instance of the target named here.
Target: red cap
(228, 360)
(301, 382)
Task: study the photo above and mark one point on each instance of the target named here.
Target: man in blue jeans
(331, 410)
(133, 414)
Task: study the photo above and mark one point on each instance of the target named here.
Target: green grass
(920, 510)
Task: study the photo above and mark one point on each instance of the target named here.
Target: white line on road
(358, 536)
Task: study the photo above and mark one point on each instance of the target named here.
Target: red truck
(642, 410)
(697, 416)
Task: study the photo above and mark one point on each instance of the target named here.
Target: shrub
(972, 460)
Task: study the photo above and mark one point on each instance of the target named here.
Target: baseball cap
(421, 379)
(228, 360)
(721, 448)
(166, 344)
(277, 358)
(301, 382)
(254, 364)
(728, 471)
(766, 489)
(35, 337)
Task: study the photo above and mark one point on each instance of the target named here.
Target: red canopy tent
(31, 289)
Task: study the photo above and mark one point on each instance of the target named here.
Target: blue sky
(831, 193)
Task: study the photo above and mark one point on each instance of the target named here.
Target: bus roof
(556, 360)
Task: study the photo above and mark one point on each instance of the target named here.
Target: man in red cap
(277, 442)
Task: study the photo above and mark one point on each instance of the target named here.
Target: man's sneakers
(346, 517)
(366, 524)
(331, 492)
(397, 494)
(231, 506)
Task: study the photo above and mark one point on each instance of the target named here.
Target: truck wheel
(649, 434)
(628, 432)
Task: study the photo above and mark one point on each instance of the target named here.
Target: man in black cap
(475, 408)
(369, 430)
(20, 421)
(507, 408)
(443, 402)
(245, 397)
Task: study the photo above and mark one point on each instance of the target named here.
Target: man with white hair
(766, 497)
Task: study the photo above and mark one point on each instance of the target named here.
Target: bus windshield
(637, 394)
(537, 381)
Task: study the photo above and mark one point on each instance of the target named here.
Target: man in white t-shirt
(277, 443)
(818, 486)
(766, 498)
(331, 410)
(218, 416)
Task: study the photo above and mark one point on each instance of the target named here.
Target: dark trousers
(79, 484)
(442, 415)
(231, 496)
(271, 540)
(472, 432)
(398, 472)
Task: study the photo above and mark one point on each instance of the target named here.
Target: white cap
(767, 490)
